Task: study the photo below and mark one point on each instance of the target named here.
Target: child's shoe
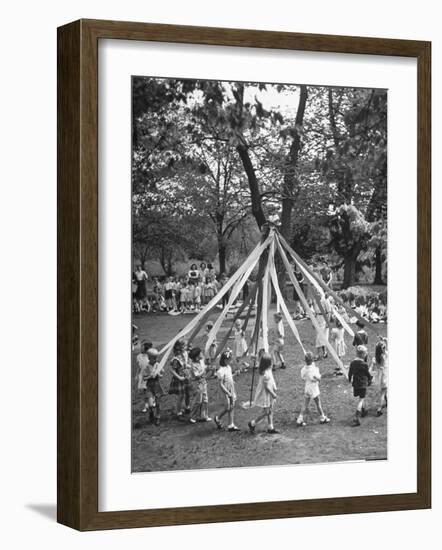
(192, 420)
(218, 423)
(300, 421)
(364, 412)
(324, 420)
(356, 421)
(272, 431)
(251, 427)
(379, 412)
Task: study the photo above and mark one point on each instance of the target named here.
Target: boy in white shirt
(310, 373)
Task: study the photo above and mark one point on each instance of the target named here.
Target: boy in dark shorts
(360, 378)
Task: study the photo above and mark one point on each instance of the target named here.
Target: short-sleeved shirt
(311, 375)
(140, 275)
(225, 376)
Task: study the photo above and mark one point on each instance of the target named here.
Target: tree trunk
(378, 267)
(255, 194)
(349, 271)
(291, 162)
(222, 256)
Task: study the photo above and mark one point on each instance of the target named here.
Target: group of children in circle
(190, 368)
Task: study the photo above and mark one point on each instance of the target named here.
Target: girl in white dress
(265, 395)
(337, 337)
(227, 386)
(240, 344)
(379, 371)
(310, 373)
(276, 338)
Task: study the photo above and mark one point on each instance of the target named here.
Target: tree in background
(234, 152)
(349, 232)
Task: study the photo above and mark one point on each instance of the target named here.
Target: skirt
(240, 347)
(140, 293)
(341, 348)
(262, 397)
(179, 387)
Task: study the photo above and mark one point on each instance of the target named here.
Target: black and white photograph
(259, 274)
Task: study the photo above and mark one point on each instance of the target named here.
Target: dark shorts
(360, 392)
(168, 295)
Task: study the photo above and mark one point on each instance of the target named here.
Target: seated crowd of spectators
(179, 294)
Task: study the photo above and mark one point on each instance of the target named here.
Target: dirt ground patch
(179, 445)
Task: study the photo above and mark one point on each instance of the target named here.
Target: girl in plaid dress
(180, 383)
(200, 402)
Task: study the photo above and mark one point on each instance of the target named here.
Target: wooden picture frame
(77, 387)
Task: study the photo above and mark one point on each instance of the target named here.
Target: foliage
(212, 159)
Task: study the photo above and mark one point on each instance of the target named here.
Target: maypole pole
(266, 230)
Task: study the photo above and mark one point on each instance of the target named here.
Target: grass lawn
(179, 445)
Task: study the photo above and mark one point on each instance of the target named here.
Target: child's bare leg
(270, 418)
(260, 417)
(179, 404)
(382, 402)
(323, 417)
(281, 359)
(318, 403)
(300, 419)
(157, 411)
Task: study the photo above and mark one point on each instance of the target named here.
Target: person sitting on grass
(360, 378)
(200, 403)
(310, 373)
(227, 385)
(379, 371)
(265, 395)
